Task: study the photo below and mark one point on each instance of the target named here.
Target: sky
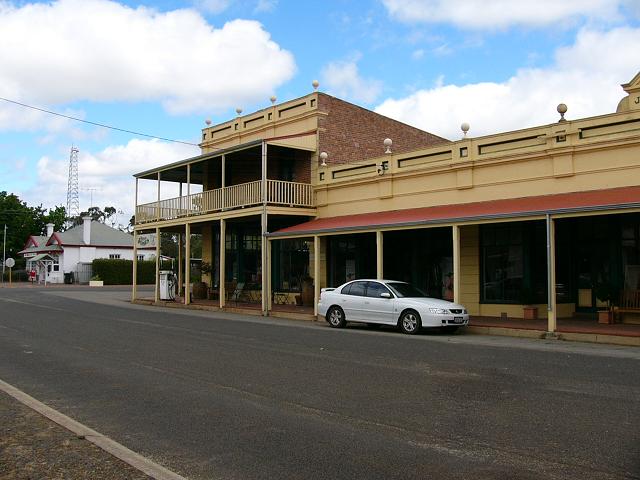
(163, 68)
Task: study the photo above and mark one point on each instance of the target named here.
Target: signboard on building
(146, 240)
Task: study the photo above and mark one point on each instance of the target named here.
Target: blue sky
(164, 67)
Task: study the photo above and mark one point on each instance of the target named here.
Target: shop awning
(595, 200)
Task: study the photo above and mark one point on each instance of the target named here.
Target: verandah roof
(595, 200)
(42, 256)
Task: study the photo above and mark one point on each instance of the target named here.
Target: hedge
(119, 272)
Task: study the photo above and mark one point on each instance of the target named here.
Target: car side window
(374, 289)
(357, 288)
(345, 290)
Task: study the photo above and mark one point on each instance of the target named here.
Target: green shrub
(120, 272)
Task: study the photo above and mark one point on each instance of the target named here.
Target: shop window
(502, 262)
(513, 263)
(350, 257)
(291, 264)
(631, 252)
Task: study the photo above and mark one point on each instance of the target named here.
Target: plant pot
(200, 290)
(529, 312)
(605, 317)
(307, 293)
(96, 283)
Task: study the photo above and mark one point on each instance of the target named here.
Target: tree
(57, 216)
(96, 215)
(22, 221)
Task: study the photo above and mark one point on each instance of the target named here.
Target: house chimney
(49, 229)
(86, 230)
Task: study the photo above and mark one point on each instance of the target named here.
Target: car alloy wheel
(335, 316)
(410, 322)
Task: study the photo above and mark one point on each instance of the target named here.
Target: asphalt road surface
(215, 395)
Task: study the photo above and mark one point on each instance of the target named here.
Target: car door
(352, 300)
(378, 309)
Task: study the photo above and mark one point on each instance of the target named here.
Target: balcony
(290, 194)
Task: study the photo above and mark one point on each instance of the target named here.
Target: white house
(57, 253)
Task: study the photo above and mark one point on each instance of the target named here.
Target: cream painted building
(319, 190)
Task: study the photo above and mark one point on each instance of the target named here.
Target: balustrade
(244, 195)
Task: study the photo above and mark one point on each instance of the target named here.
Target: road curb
(137, 461)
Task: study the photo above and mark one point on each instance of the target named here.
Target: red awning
(595, 200)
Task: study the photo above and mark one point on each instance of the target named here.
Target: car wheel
(450, 329)
(410, 322)
(335, 317)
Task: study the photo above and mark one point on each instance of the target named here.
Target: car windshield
(405, 290)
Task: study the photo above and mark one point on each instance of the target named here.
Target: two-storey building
(319, 190)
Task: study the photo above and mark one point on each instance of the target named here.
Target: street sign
(10, 262)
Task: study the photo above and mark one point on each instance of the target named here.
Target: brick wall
(298, 160)
(350, 133)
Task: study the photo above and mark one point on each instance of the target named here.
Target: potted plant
(306, 290)
(201, 288)
(529, 309)
(606, 292)
(96, 281)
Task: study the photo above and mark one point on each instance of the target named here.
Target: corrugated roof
(615, 198)
(101, 235)
(42, 248)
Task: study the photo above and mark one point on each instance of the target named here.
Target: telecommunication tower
(73, 200)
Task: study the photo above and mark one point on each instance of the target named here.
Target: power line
(95, 123)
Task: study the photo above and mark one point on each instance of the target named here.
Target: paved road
(213, 395)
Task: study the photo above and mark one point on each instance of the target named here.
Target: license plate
(458, 320)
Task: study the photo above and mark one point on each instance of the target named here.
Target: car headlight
(440, 311)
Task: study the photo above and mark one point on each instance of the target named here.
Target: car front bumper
(448, 320)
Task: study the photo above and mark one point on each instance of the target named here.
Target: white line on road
(134, 459)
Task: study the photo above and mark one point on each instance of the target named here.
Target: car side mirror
(385, 295)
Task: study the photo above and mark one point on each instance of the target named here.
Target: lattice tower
(73, 198)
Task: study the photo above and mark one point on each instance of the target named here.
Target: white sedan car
(389, 302)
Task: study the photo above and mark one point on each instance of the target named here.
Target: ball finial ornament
(562, 109)
(387, 145)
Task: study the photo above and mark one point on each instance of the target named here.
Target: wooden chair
(237, 292)
(629, 303)
(229, 288)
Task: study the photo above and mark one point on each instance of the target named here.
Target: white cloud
(265, 6)
(99, 50)
(342, 79)
(213, 6)
(109, 173)
(481, 14)
(586, 76)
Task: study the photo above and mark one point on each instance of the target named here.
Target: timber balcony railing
(290, 194)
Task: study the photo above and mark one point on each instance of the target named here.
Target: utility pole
(4, 251)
